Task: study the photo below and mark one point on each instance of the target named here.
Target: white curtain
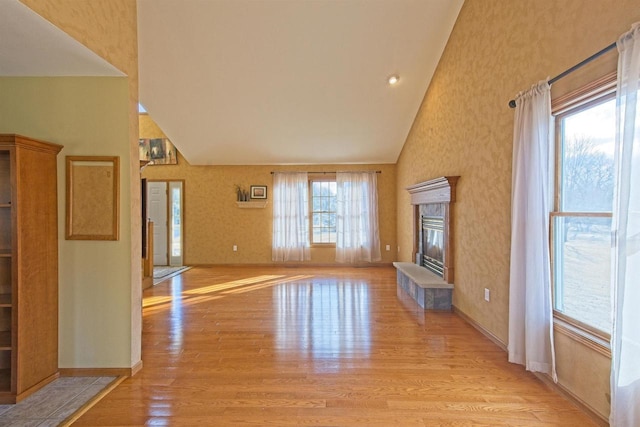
(530, 309)
(290, 217)
(357, 235)
(625, 337)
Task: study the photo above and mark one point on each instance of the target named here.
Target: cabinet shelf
(5, 340)
(252, 204)
(5, 205)
(5, 253)
(5, 300)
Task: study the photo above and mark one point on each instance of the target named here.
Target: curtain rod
(324, 172)
(512, 103)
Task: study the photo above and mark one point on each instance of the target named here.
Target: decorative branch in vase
(241, 194)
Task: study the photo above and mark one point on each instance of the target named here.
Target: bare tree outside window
(581, 221)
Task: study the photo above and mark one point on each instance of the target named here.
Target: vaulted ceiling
(31, 46)
(242, 82)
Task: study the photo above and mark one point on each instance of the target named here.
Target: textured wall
(109, 28)
(464, 127)
(213, 222)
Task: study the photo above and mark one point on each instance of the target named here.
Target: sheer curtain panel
(530, 309)
(357, 235)
(625, 337)
(290, 217)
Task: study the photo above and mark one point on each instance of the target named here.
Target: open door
(165, 210)
(157, 193)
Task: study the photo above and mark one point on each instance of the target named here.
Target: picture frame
(157, 151)
(92, 197)
(258, 191)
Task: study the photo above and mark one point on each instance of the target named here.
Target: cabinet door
(37, 267)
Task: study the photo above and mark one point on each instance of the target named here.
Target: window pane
(588, 140)
(316, 204)
(176, 231)
(323, 195)
(582, 256)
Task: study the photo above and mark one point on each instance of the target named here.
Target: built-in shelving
(6, 267)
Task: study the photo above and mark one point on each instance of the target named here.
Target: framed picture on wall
(92, 197)
(157, 151)
(258, 191)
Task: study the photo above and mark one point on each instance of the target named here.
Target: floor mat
(164, 271)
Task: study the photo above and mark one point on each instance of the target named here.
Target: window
(323, 211)
(581, 220)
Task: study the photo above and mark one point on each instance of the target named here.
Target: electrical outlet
(235, 248)
(487, 294)
(398, 249)
(388, 247)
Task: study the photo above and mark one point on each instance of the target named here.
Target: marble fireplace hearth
(427, 289)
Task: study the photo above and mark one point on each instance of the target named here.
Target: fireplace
(429, 281)
(432, 239)
(433, 225)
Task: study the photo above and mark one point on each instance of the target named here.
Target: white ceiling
(262, 82)
(242, 82)
(32, 46)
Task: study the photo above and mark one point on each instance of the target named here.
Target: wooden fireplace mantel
(437, 190)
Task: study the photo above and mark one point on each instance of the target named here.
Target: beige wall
(108, 28)
(464, 127)
(214, 223)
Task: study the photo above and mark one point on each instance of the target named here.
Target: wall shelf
(252, 204)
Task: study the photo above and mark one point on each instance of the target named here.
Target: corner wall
(464, 127)
(109, 28)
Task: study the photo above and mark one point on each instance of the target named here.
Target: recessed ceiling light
(393, 79)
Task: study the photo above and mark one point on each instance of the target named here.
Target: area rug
(164, 272)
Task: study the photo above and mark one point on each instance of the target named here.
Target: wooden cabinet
(28, 266)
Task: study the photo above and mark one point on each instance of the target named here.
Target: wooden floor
(317, 347)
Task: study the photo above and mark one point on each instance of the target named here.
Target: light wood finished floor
(317, 347)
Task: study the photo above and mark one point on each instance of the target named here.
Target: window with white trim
(581, 219)
(323, 211)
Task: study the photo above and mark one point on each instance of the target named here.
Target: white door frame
(173, 260)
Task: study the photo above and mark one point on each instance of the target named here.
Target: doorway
(164, 207)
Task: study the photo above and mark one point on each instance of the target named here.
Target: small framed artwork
(258, 191)
(158, 151)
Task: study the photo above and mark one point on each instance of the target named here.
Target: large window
(581, 221)
(323, 211)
